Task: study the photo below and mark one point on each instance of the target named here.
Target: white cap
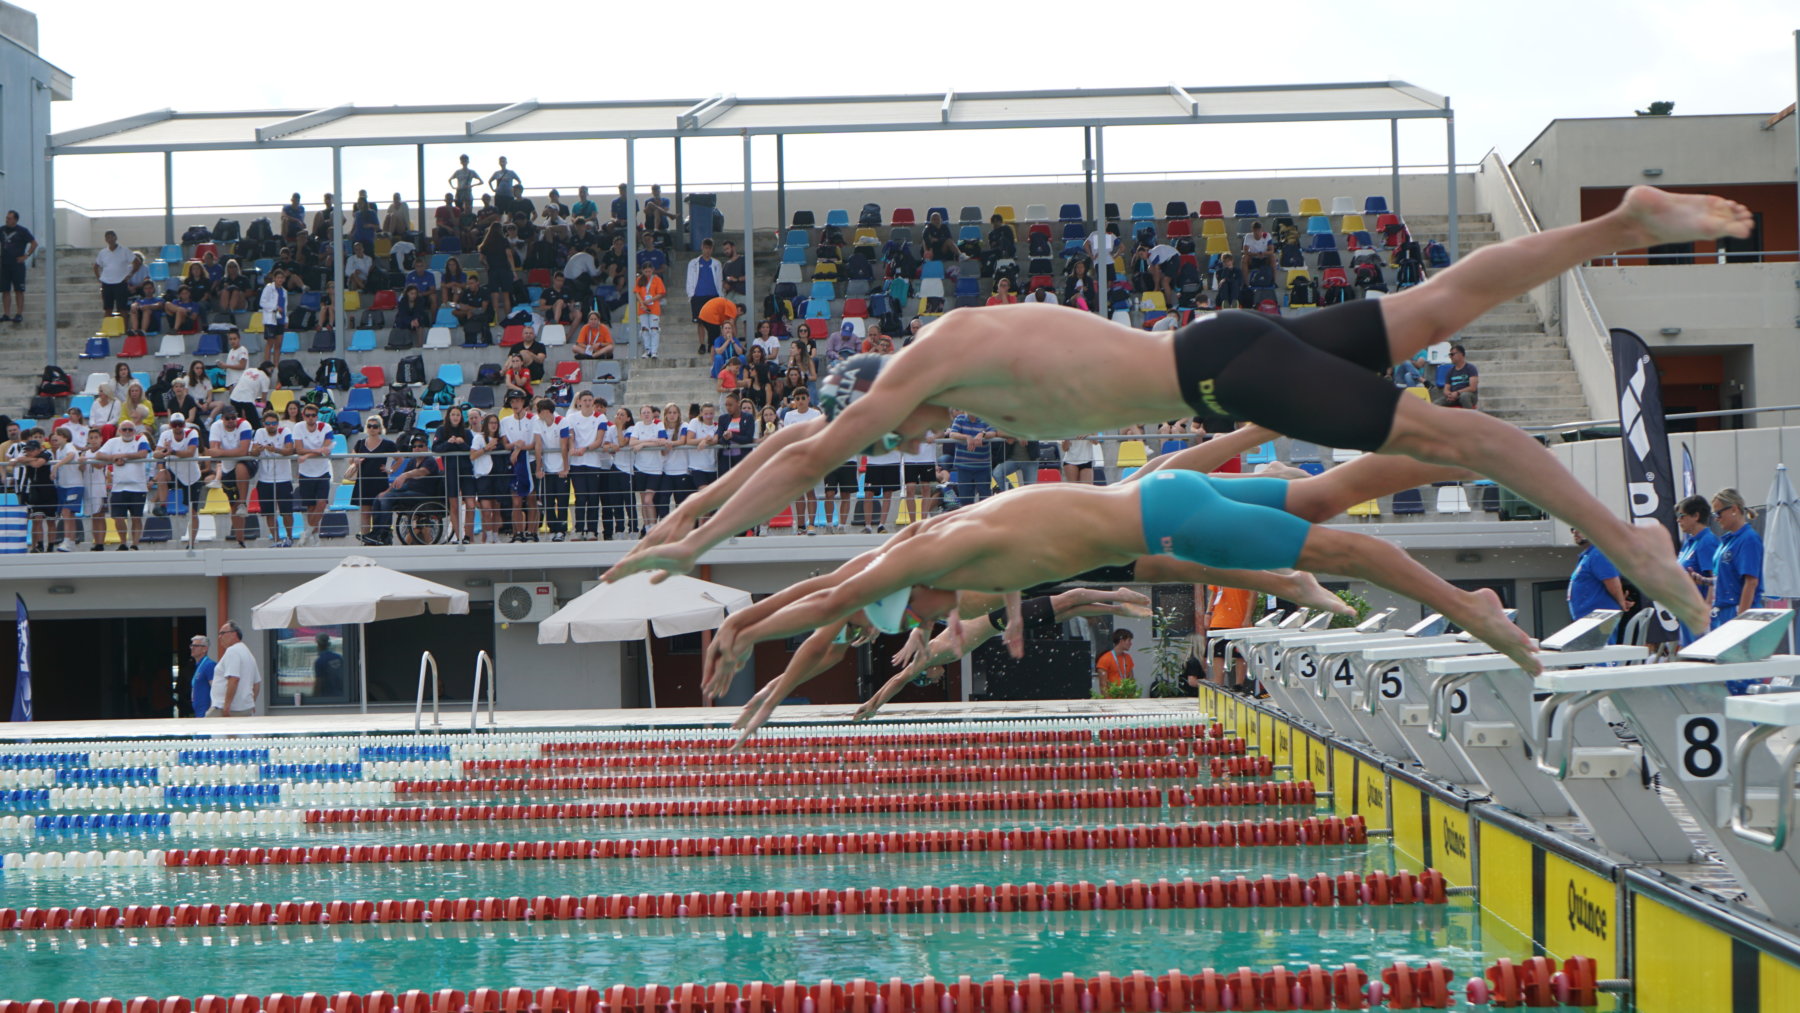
(177, 417)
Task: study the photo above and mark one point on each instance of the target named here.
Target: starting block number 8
(1701, 741)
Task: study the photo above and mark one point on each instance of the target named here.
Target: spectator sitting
(936, 238)
(555, 304)
(517, 377)
(843, 344)
(421, 278)
(446, 220)
(402, 251)
(595, 341)
(651, 257)
(1259, 248)
(1229, 288)
(767, 341)
(357, 268)
(186, 316)
(1002, 243)
(754, 382)
(656, 211)
(728, 377)
(146, 310)
(1003, 293)
(1078, 290)
(180, 401)
(398, 221)
(140, 272)
(197, 281)
(1410, 372)
(136, 407)
(363, 220)
(324, 218)
(725, 348)
(232, 291)
(584, 206)
(612, 264)
(1040, 294)
(416, 479)
(803, 347)
(520, 208)
(619, 212)
(293, 218)
(533, 353)
(1460, 382)
(412, 313)
(453, 282)
(471, 312)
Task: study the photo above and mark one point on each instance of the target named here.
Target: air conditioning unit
(524, 603)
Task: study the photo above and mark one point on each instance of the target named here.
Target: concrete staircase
(683, 379)
(22, 351)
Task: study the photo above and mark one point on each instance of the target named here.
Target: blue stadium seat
(1376, 205)
(85, 402)
(439, 261)
(1143, 209)
(97, 348)
(173, 254)
(969, 233)
(818, 309)
(481, 396)
(931, 269)
(1261, 455)
(361, 399)
(290, 343)
(264, 265)
(351, 418)
(451, 244)
(793, 255)
(823, 291)
(451, 373)
(210, 344)
(159, 270)
(428, 417)
(1069, 213)
(1317, 224)
(968, 286)
(797, 237)
(1244, 209)
(362, 341)
(1321, 241)
(446, 317)
(837, 217)
(1075, 231)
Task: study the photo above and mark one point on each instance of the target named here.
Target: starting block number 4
(1701, 738)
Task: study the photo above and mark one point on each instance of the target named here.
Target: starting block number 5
(1700, 739)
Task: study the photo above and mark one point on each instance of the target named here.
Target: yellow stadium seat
(112, 327)
(1131, 454)
(1294, 273)
(865, 237)
(1419, 392)
(352, 301)
(1153, 301)
(1217, 244)
(383, 246)
(1005, 211)
(216, 502)
(280, 398)
(1353, 223)
(1310, 206)
(1212, 227)
(255, 324)
(1369, 508)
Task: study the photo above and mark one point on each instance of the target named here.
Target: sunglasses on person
(309, 415)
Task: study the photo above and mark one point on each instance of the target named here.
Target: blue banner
(21, 709)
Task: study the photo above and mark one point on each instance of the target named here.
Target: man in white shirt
(128, 453)
(356, 268)
(237, 681)
(112, 269)
(228, 439)
(703, 456)
(550, 442)
(401, 249)
(648, 440)
(586, 425)
(517, 431)
(1259, 248)
(273, 304)
(274, 448)
(237, 358)
(178, 452)
(251, 387)
(313, 443)
(1097, 242)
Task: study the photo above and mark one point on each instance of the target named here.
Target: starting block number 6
(1700, 739)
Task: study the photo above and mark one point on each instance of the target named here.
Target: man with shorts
(517, 430)
(1315, 378)
(128, 452)
(1227, 609)
(313, 441)
(94, 488)
(714, 316)
(177, 455)
(228, 440)
(112, 269)
(274, 448)
(17, 245)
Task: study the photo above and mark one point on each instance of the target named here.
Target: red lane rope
(1323, 830)
(972, 754)
(1152, 733)
(1134, 770)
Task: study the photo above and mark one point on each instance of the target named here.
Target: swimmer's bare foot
(1306, 590)
(1659, 216)
(1485, 618)
(1276, 469)
(1651, 565)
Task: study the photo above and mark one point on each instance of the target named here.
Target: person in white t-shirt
(229, 441)
(273, 448)
(919, 470)
(486, 446)
(313, 444)
(677, 486)
(803, 411)
(517, 430)
(618, 509)
(550, 446)
(647, 440)
(1259, 248)
(178, 455)
(252, 386)
(128, 453)
(703, 457)
(237, 358)
(237, 681)
(95, 485)
(65, 475)
(587, 431)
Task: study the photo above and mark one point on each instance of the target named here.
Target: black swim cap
(847, 380)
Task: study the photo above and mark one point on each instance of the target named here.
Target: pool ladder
(484, 675)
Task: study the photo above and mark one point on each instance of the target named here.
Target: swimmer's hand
(888, 691)
(673, 528)
(661, 561)
(1014, 635)
(916, 647)
(762, 706)
(725, 657)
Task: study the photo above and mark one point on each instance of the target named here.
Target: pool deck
(456, 720)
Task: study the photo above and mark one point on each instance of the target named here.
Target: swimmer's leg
(1297, 586)
(1387, 565)
(1469, 439)
(1454, 297)
(1371, 476)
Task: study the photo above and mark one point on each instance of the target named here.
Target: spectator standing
(66, 475)
(313, 443)
(95, 483)
(1228, 609)
(703, 440)
(676, 485)
(237, 359)
(733, 268)
(918, 468)
(369, 466)
(584, 206)
(112, 269)
(502, 183)
(200, 695)
(650, 292)
(648, 439)
(274, 306)
(972, 472)
(550, 451)
(17, 246)
(586, 426)
(1699, 548)
(178, 453)
(1116, 665)
(463, 180)
(1078, 458)
(737, 431)
(252, 385)
(616, 510)
(127, 453)
(229, 439)
(273, 447)
(1738, 567)
(237, 681)
(705, 282)
(491, 485)
(1461, 386)
(517, 430)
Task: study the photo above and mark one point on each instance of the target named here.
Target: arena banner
(1644, 445)
(21, 709)
(1689, 486)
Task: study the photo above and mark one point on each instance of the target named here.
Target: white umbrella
(632, 607)
(358, 590)
(1781, 538)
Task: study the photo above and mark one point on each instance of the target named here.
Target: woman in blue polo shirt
(1699, 547)
(1737, 569)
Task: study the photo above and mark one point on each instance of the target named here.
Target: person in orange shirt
(595, 340)
(1115, 666)
(715, 315)
(1227, 609)
(650, 295)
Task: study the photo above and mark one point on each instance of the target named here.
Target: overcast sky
(1508, 68)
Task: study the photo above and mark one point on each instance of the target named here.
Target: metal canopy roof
(350, 125)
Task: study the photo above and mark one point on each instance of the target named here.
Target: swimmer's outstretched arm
(918, 561)
(1211, 455)
(725, 655)
(819, 652)
(784, 475)
(685, 517)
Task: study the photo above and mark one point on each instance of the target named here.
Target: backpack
(1436, 255)
(259, 230)
(411, 369)
(42, 407)
(1408, 274)
(291, 374)
(1185, 245)
(1290, 256)
(779, 306)
(1331, 295)
(1037, 245)
(1302, 292)
(1188, 279)
(1408, 250)
(319, 398)
(398, 398)
(225, 230)
(437, 392)
(400, 339)
(489, 374)
(1369, 276)
(1262, 277)
(196, 234)
(858, 268)
(870, 216)
(1269, 306)
(55, 383)
(334, 373)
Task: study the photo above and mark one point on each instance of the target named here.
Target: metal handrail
(1784, 789)
(482, 662)
(1682, 416)
(426, 661)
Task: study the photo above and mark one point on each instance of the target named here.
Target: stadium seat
(1244, 209)
(970, 213)
(94, 380)
(818, 309)
(1343, 205)
(1329, 258)
(1260, 455)
(1212, 226)
(859, 327)
(804, 220)
(451, 373)
(797, 237)
(865, 237)
(793, 255)
(512, 335)
(82, 402)
(554, 334)
(1452, 499)
(112, 327)
(568, 372)
(361, 399)
(362, 341)
(942, 213)
(1310, 206)
(969, 234)
(539, 276)
(428, 417)
(290, 343)
(1366, 509)
(135, 346)
(788, 274)
(902, 216)
(1211, 209)
(159, 270)
(437, 337)
(1277, 207)
(1317, 224)
(439, 261)
(1180, 227)
(1143, 209)
(1321, 241)
(481, 396)
(279, 399)
(1037, 212)
(324, 342)
(352, 301)
(172, 254)
(97, 348)
(1352, 223)
(446, 317)
(837, 217)
(384, 246)
(1070, 213)
(211, 344)
(1216, 245)
(931, 288)
(856, 307)
(967, 286)
(1375, 205)
(1005, 211)
(823, 290)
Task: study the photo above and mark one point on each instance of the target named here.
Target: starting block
(1680, 712)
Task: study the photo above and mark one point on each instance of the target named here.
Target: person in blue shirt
(1699, 547)
(973, 474)
(201, 650)
(1737, 568)
(293, 222)
(1596, 583)
(421, 278)
(650, 256)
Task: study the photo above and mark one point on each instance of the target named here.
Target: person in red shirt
(1115, 666)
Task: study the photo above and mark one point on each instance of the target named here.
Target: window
(314, 665)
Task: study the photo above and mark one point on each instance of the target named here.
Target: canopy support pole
(650, 665)
(1455, 242)
(1394, 149)
(1087, 168)
(631, 246)
(337, 252)
(49, 248)
(424, 234)
(780, 181)
(1102, 262)
(679, 202)
(169, 199)
(750, 307)
(362, 666)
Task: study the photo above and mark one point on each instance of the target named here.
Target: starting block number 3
(1701, 741)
